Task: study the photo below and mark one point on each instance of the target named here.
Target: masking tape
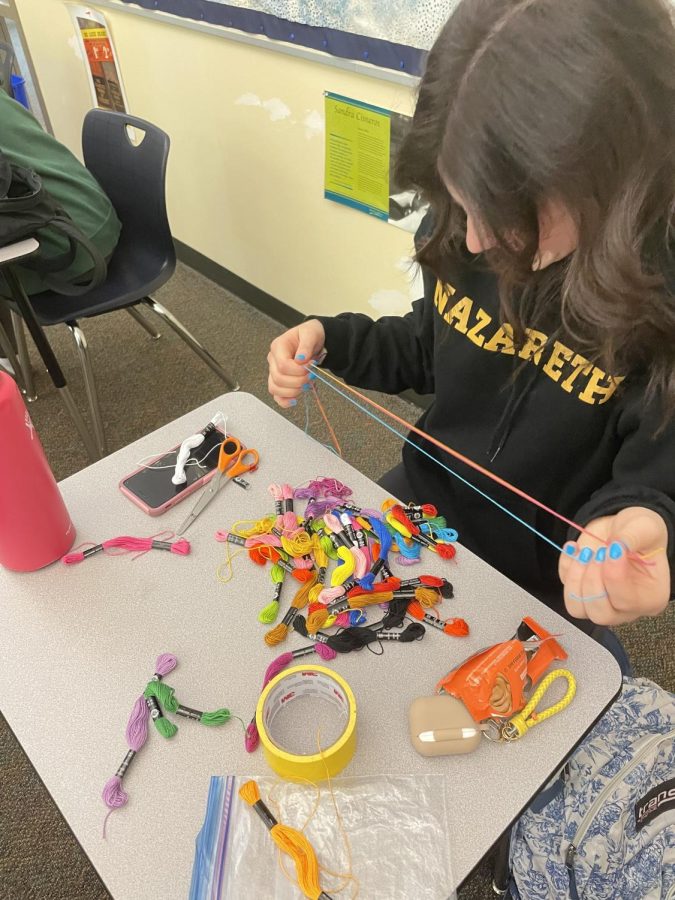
(307, 682)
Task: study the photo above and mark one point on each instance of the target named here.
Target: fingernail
(586, 555)
(300, 356)
(312, 376)
(601, 554)
(293, 403)
(570, 549)
(305, 386)
(615, 550)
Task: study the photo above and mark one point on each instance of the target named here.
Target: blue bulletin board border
(342, 44)
(355, 204)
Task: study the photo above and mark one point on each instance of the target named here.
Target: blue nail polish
(586, 555)
(601, 554)
(305, 387)
(615, 551)
(300, 357)
(570, 549)
(293, 402)
(312, 376)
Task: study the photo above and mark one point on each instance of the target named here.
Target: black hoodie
(563, 430)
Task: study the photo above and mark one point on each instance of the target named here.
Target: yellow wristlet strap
(519, 724)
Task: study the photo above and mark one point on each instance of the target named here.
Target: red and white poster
(99, 55)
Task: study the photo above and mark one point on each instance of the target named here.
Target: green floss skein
(162, 692)
(218, 717)
(159, 691)
(327, 547)
(165, 727)
(269, 613)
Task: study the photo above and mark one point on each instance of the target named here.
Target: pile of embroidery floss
(332, 562)
(336, 555)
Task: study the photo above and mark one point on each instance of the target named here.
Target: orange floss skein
(291, 842)
(277, 634)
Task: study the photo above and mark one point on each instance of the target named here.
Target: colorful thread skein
(251, 737)
(126, 544)
(277, 634)
(268, 614)
(136, 734)
(357, 637)
(166, 697)
(289, 841)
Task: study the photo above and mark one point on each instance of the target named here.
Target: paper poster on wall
(99, 55)
(361, 146)
(357, 155)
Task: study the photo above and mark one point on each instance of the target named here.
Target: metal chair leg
(90, 386)
(143, 322)
(7, 349)
(76, 416)
(191, 341)
(24, 358)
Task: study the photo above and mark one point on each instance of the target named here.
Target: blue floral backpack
(605, 830)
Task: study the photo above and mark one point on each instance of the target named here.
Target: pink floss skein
(251, 736)
(278, 496)
(136, 734)
(289, 518)
(126, 544)
(327, 595)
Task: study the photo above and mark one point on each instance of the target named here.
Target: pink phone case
(158, 510)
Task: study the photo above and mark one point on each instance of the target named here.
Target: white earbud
(190, 444)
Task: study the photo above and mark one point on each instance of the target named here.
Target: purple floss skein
(136, 734)
(137, 727)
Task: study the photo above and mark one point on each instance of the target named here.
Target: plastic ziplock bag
(397, 828)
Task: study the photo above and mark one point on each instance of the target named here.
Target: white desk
(87, 636)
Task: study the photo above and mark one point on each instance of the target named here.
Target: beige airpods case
(442, 726)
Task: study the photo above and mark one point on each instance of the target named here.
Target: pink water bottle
(35, 528)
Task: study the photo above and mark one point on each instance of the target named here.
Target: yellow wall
(243, 189)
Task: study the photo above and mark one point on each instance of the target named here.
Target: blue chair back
(133, 176)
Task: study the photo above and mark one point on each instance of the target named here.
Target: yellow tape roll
(307, 682)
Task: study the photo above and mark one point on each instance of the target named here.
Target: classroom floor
(142, 385)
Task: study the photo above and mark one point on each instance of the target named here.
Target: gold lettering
(460, 311)
(580, 364)
(441, 295)
(595, 391)
(559, 356)
(474, 334)
(532, 346)
(501, 341)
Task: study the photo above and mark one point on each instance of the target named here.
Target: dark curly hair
(523, 101)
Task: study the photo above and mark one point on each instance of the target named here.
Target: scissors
(233, 460)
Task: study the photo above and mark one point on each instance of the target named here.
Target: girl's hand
(618, 588)
(289, 353)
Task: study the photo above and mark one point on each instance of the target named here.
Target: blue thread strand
(438, 462)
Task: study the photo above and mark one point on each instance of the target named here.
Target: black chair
(128, 157)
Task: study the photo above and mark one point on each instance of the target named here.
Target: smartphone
(151, 488)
